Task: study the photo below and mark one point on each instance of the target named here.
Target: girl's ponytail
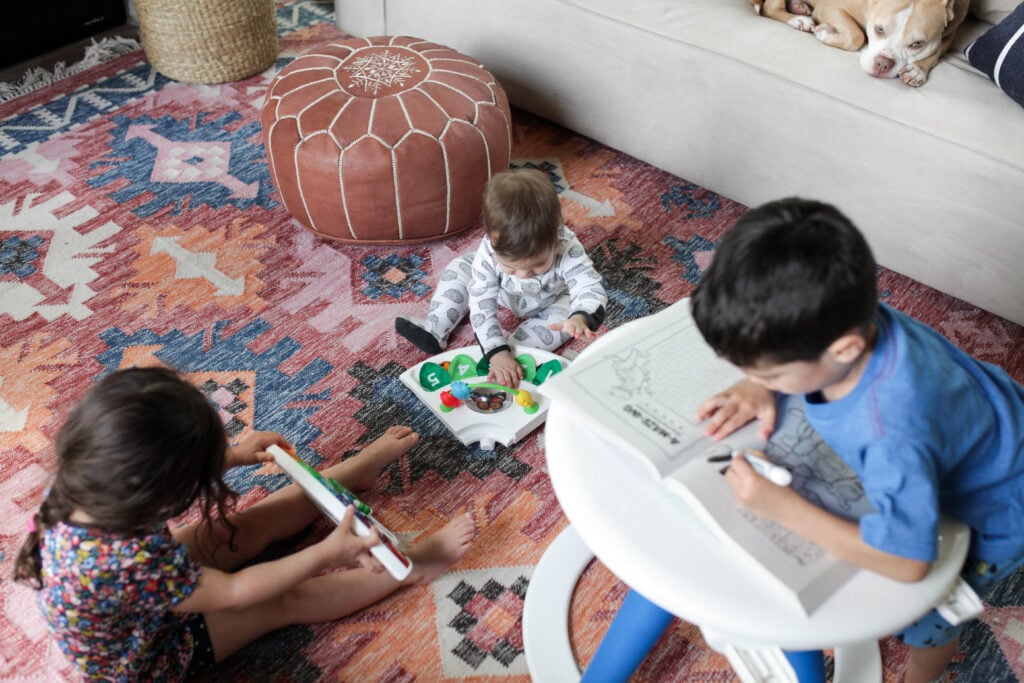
(28, 565)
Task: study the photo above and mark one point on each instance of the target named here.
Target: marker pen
(779, 476)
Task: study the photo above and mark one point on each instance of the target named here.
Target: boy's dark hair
(139, 448)
(786, 281)
(522, 213)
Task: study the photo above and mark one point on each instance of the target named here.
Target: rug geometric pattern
(139, 224)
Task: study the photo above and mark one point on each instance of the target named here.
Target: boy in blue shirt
(790, 298)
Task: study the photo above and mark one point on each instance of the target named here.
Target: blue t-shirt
(931, 430)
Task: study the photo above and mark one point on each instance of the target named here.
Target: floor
(69, 54)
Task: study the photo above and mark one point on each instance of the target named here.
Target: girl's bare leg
(288, 511)
(338, 594)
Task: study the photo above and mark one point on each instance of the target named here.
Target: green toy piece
(434, 376)
(462, 367)
(552, 367)
(529, 366)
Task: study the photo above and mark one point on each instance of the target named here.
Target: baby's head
(788, 280)
(139, 448)
(522, 219)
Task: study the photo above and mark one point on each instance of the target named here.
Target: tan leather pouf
(385, 140)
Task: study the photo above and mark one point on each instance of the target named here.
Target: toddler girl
(129, 598)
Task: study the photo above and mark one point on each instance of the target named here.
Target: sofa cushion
(999, 54)
(992, 11)
(760, 55)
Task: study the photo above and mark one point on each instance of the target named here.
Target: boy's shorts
(202, 648)
(932, 630)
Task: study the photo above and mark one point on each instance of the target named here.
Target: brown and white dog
(905, 38)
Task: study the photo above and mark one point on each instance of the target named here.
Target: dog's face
(902, 32)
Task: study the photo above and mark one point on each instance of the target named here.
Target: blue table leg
(634, 631)
(809, 665)
(638, 626)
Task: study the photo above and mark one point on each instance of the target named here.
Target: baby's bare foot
(432, 556)
(361, 471)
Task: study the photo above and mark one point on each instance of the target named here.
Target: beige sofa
(755, 110)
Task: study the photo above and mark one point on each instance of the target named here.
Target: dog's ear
(950, 11)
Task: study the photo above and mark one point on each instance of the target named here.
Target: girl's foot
(432, 556)
(361, 471)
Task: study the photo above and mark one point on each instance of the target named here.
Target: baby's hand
(576, 327)
(348, 549)
(253, 449)
(504, 370)
(735, 407)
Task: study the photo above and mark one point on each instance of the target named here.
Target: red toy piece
(448, 401)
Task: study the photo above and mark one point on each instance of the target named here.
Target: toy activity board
(454, 385)
(332, 498)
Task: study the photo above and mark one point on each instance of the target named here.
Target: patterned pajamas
(474, 284)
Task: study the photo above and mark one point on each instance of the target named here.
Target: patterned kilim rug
(109, 258)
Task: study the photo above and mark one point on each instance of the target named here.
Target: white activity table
(651, 540)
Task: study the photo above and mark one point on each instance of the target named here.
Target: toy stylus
(779, 476)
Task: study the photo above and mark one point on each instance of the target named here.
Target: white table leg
(548, 649)
(546, 642)
(752, 664)
(858, 663)
(854, 663)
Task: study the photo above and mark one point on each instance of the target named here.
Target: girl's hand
(756, 493)
(252, 449)
(348, 549)
(735, 407)
(504, 370)
(576, 327)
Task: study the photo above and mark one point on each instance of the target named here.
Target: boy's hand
(252, 449)
(756, 493)
(576, 327)
(504, 370)
(348, 549)
(735, 407)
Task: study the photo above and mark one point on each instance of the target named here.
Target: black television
(33, 27)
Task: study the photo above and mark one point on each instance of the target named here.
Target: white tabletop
(650, 539)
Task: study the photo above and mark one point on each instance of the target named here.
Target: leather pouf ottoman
(385, 140)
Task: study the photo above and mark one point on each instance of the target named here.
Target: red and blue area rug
(138, 225)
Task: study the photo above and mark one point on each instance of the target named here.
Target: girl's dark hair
(141, 446)
(786, 281)
(522, 213)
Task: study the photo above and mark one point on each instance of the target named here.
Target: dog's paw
(805, 24)
(914, 76)
(824, 31)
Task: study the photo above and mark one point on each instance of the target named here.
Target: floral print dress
(107, 598)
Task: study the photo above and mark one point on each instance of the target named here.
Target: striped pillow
(999, 54)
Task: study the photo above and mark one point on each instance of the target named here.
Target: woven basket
(208, 41)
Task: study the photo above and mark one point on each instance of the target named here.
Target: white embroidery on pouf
(381, 71)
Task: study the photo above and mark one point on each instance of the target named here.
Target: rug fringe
(95, 54)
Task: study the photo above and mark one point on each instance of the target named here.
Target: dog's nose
(883, 65)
